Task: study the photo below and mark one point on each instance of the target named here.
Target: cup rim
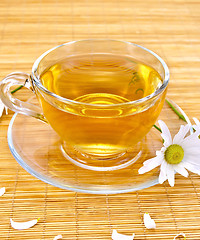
(70, 101)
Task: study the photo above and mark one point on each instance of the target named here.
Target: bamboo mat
(171, 29)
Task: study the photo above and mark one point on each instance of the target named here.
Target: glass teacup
(101, 97)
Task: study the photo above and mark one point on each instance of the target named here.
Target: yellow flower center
(174, 154)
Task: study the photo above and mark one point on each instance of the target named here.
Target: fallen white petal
(23, 225)
(2, 191)
(118, 236)
(6, 110)
(149, 222)
(180, 234)
(1, 108)
(57, 237)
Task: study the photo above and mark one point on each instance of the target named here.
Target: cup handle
(16, 105)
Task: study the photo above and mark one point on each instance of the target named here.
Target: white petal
(192, 168)
(196, 121)
(149, 222)
(195, 127)
(180, 234)
(193, 150)
(179, 168)
(161, 152)
(163, 175)
(170, 175)
(186, 144)
(191, 138)
(166, 135)
(193, 159)
(23, 225)
(2, 191)
(181, 134)
(156, 160)
(118, 236)
(150, 164)
(57, 237)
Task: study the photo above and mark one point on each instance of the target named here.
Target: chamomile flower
(176, 155)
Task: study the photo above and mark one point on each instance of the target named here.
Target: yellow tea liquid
(100, 79)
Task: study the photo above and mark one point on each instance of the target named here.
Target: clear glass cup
(97, 136)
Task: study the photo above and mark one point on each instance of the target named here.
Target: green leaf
(157, 128)
(176, 111)
(16, 89)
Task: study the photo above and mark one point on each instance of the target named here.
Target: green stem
(177, 112)
(16, 89)
(157, 128)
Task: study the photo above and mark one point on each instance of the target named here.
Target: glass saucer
(36, 147)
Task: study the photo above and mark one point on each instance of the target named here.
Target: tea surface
(101, 74)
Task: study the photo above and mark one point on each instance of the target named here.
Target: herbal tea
(101, 79)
